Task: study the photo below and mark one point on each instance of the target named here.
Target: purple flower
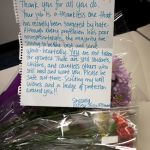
(121, 90)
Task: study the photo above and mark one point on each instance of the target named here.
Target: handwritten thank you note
(66, 52)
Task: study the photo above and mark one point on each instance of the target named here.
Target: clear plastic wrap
(124, 48)
(89, 129)
(64, 128)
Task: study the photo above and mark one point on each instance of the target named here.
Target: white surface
(143, 48)
(145, 31)
(6, 77)
(144, 126)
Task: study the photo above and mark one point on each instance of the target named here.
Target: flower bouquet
(70, 128)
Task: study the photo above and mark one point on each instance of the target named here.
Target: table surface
(145, 31)
(7, 76)
(135, 50)
(143, 48)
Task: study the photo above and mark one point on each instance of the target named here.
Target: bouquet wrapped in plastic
(70, 128)
(93, 129)
(47, 128)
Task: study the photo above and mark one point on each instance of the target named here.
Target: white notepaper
(66, 52)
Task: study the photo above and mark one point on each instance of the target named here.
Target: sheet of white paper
(67, 52)
(109, 139)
